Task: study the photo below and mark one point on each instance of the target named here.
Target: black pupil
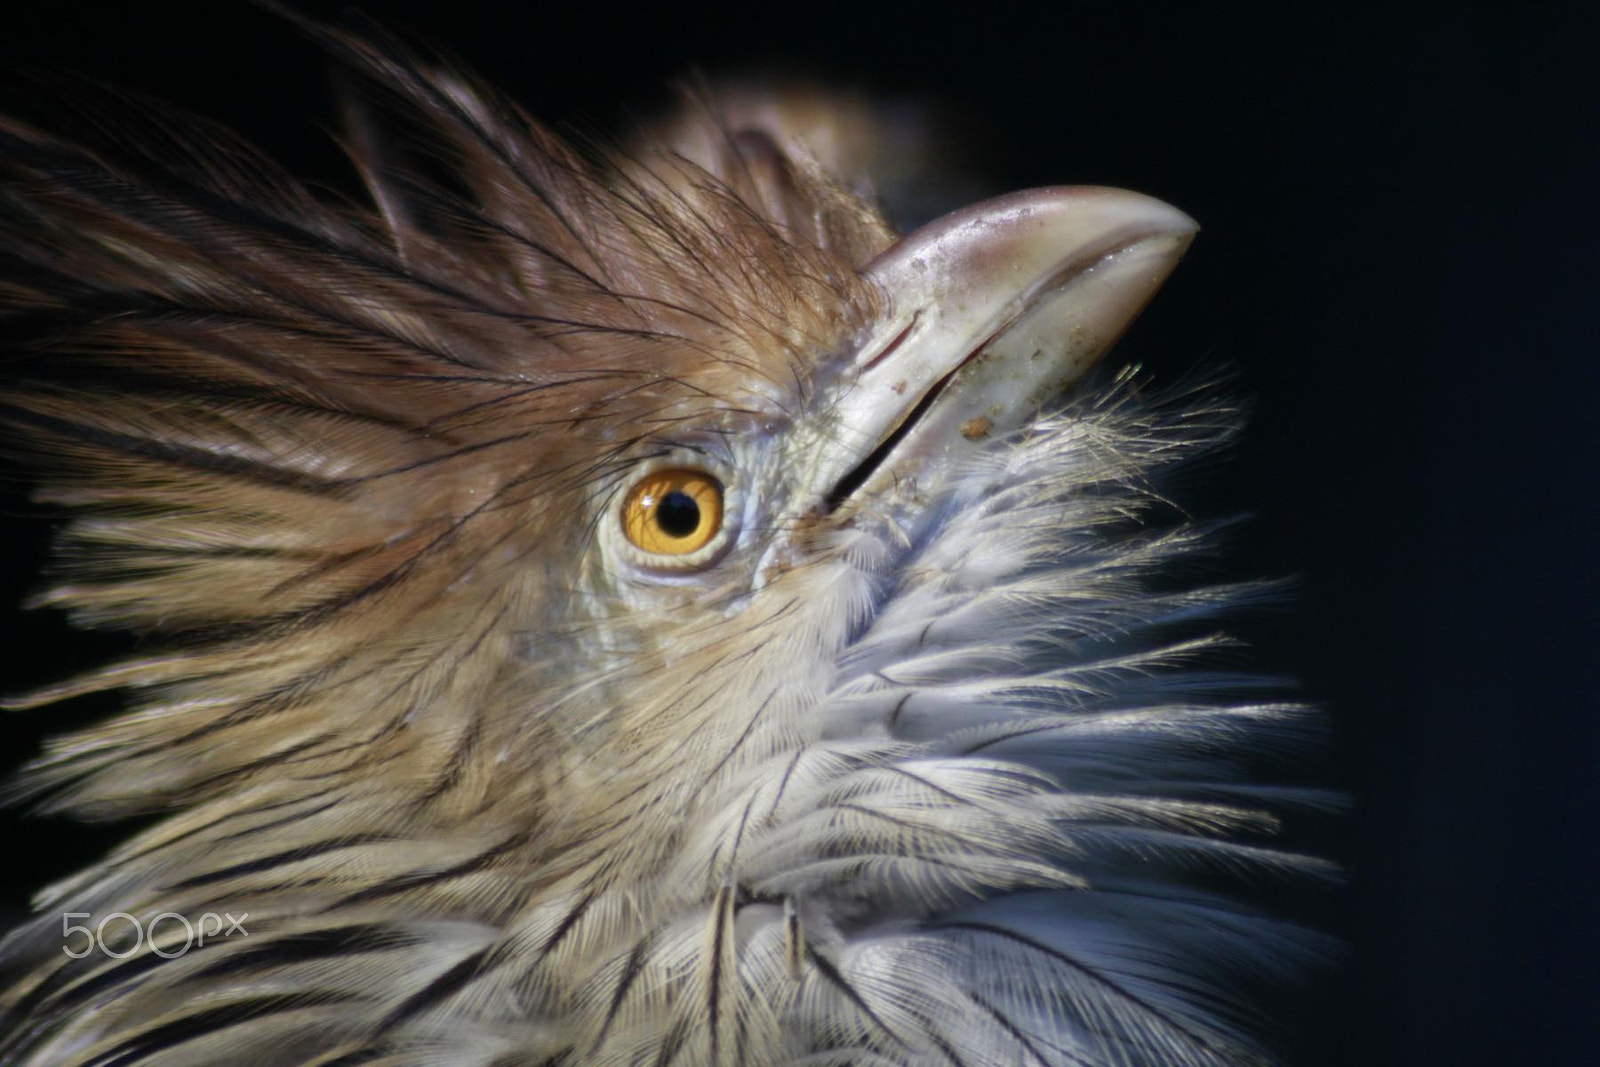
(677, 514)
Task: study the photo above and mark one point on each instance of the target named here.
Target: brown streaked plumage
(904, 765)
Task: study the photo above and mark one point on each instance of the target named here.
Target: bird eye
(673, 512)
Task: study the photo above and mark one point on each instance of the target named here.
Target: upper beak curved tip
(1066, 267)
(995, 256)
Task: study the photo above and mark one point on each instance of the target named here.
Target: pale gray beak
(994, 310)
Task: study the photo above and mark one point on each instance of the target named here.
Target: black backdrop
(1399, 259)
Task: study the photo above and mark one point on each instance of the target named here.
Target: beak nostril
(894, 343)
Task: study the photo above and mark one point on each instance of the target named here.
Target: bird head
(632, 569)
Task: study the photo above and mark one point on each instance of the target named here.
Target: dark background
(1399, 257)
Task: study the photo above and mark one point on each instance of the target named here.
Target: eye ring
(673, 512)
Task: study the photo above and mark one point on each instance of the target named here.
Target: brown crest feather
(312, 441)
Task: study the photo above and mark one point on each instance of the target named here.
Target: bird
(622, 602)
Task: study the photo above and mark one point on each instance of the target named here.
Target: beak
(993, 311)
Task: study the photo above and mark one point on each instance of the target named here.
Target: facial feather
(902, 775)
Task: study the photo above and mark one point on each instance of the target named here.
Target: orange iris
(673, 512)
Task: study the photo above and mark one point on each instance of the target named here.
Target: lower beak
(993, 311)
